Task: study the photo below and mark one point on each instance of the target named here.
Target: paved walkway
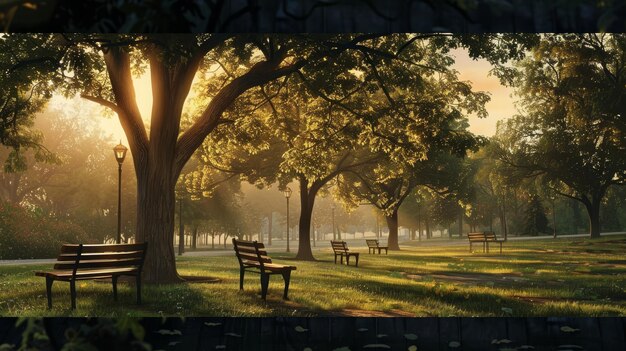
(280, 246)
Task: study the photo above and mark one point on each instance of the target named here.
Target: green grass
(567, 277)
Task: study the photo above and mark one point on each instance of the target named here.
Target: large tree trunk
(593, 211)
(307, 201)
(392, 224)
(155, 199)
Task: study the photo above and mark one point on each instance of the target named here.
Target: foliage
(536, 220)
(570, 130)
(30, 234)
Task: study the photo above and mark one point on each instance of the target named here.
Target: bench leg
(265, 281)
(357, 260)
(49, 282)
(335, 258)
(287, 278)
(242, 271)
(138, 283)
(114, 280)
(347, 260)
(73, 293)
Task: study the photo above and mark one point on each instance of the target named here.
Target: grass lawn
(565, 277)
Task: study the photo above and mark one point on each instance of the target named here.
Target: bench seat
(253, 257)
(373, 245)
(97, 261)
(340, 248)
(485, 238)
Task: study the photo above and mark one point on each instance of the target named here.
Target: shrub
(25, 234)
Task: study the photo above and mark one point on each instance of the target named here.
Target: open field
(566, 277)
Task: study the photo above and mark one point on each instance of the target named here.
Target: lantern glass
(120, 152)
(287, 192)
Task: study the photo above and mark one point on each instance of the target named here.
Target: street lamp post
(287, 194)
(120, 154)
(333, 219)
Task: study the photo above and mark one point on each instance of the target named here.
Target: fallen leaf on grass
(412, 348)
(169, 332)
(234, 335)
(454, 344)
(212, 324)
(568, 329)
(410, 336)
(299, 329)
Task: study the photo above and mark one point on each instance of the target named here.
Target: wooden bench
(87, 261)
(252, 256)
(490, 237)
(485, 238)
(341, 249)
(373, 245)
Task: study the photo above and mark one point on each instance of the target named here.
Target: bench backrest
(339, 246)
(491, 236)
(250, 253)
(371, 243)
(79, 257)
(476, 236)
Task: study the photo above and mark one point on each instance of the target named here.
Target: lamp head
(120, 152)
(287, 192)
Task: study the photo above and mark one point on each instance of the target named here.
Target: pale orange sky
(501, 104)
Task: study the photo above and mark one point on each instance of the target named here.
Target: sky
(501, 105)
(476, 71)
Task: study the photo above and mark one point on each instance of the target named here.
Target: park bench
(252, 256)
(373, 245)
(341, 249)
(485, 238)
(490, 237)
(95, 261)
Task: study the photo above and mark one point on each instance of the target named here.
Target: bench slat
(97, 264)
(251, 257)
(100, 256)
(100, 248)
